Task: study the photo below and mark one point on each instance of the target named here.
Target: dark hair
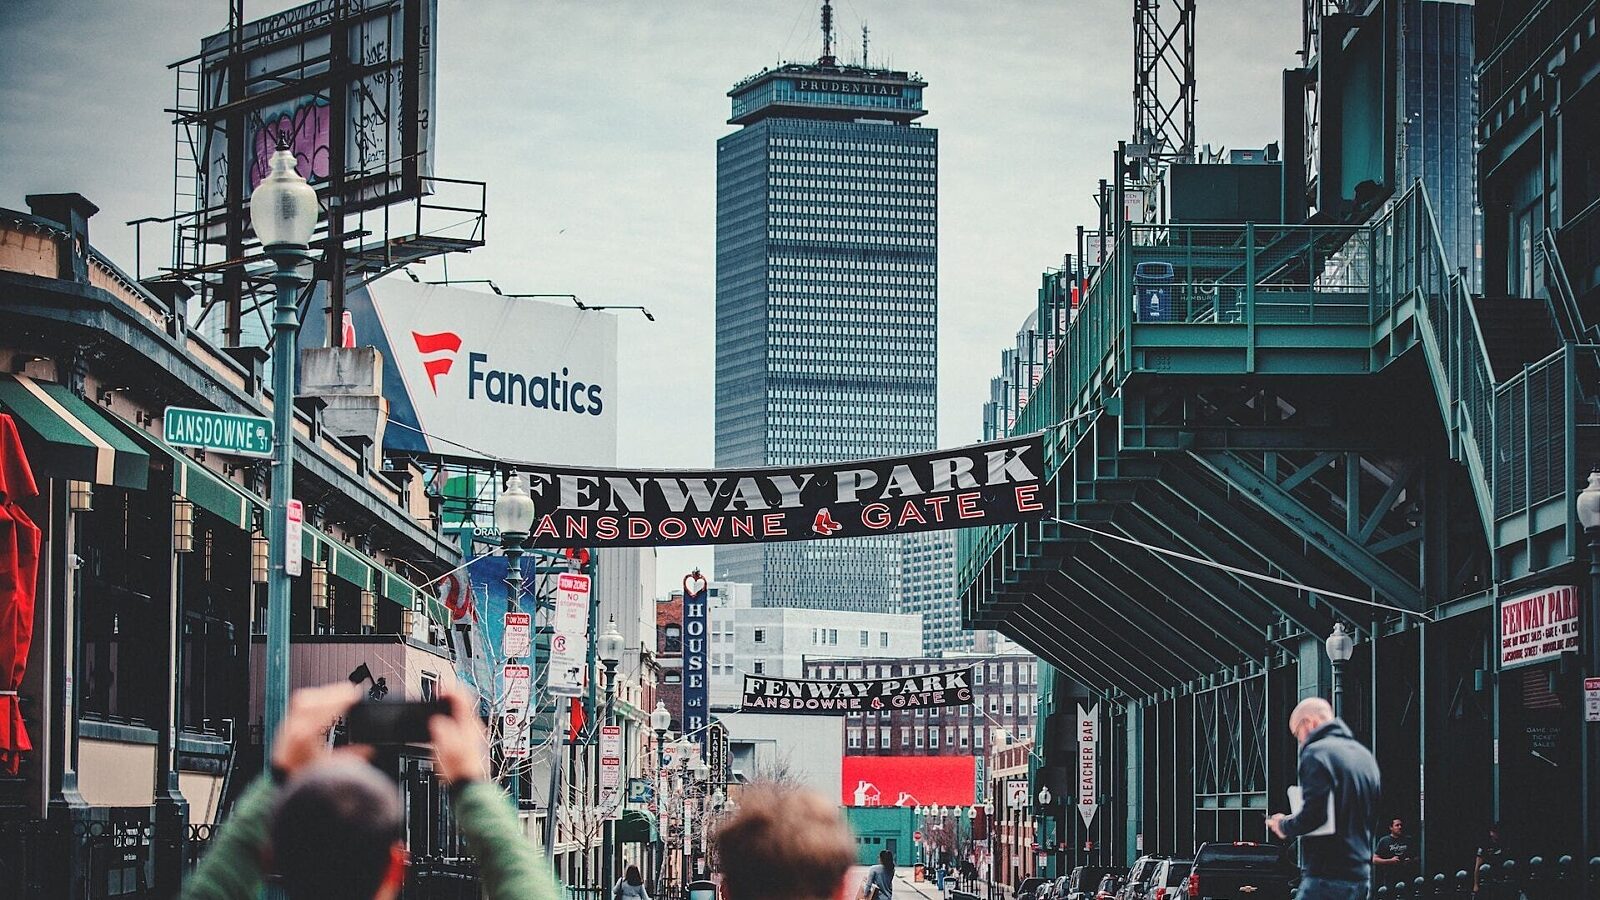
(886, 859)
(633, 876)
(333, 831)
(784, 843)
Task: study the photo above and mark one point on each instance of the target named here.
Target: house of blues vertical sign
(696, 693)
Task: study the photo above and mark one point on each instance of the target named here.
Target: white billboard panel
(472, 374)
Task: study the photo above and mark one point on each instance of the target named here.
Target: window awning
(66, 437)
(638, 826)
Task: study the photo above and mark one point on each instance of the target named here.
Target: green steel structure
(1317, 404)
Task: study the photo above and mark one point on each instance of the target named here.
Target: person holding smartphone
(332, 826)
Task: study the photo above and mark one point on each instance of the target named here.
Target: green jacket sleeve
(507, 861)
(231, 868)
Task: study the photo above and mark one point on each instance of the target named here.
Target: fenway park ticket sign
(793, 696)
(982, 484)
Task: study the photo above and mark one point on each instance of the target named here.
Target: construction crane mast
(1163, 79)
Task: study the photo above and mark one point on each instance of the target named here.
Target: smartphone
(393, 721)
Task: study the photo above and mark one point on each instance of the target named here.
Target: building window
(884, 734)
(977, 675)
(966, 737)
(673, 642)
(759, 667)
(855, 739)
(1005, 673)
(672, 678)
(761, 635)
(977, 738)
(883, 639)
(933, 739)
(833, 636)
(921, 738)
(429, 687)
(1008, 706)
(921, 713)
(905, 735)
(866, 639)
(872, 738)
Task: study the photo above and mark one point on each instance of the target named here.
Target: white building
(791, 748)
(775, 641)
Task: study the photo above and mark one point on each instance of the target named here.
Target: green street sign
(220, 431)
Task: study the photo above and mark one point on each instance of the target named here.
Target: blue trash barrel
(1152, 291)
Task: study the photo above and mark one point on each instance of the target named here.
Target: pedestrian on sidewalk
(630, 886)
(785, 843)
(332, 826)
(1338, 776)
(880, 879)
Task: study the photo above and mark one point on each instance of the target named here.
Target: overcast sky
(595, 125)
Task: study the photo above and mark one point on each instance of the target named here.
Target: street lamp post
(609, 648)
(660, 720)
(283, 212)
(700, 771)
(1340, 646)
(1589, 518)
(513, 516)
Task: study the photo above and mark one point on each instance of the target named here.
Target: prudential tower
(827, 301)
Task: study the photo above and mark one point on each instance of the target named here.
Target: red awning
(19, 578)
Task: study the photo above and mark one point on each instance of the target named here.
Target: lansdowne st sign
(220, 431)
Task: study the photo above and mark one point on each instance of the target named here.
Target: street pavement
(905, 887)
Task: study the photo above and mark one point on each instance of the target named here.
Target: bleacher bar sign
(793, 696)
(982, 484)
(1538, 626)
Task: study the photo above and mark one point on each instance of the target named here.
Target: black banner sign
(796, 697)
(982, 484)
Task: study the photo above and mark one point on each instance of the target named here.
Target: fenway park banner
(982, 484)
(793, 696)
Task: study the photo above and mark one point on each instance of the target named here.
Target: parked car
(1045, 891)
(1242, 870)
(1167, 880)
(1027, 887)
(1110, 884)
(1139, 877)
(1083, 882)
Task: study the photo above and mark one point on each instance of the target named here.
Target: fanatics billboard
(982, 484)
(908, 780)
(473, 375)
(793, 696)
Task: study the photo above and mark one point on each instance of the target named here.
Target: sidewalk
(905, 887)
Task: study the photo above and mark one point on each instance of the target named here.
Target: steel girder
(1188, 524)
(1312, 528)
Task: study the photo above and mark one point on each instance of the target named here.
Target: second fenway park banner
(793, 696)
(982, 484)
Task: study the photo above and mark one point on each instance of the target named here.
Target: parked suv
(1083, 881)
(1110, 884)
(1027, 887)
(1242, 870)
(1167, 880)
(1139, 876)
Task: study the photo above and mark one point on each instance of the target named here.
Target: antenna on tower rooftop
(827, 58)
(863, 45)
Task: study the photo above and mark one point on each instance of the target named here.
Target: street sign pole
(286, 332)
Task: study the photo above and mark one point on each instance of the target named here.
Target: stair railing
(1563, 302)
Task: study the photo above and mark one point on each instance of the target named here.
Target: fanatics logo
(443, 342)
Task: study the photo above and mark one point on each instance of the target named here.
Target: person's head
(1397, 827)
(337, 833)
(1312, 713)
(1494, 832)
(785, 843)
(886, 859)
(633, 876)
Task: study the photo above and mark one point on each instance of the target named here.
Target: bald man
(1333, 763)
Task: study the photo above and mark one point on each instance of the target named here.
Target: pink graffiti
(307, 127)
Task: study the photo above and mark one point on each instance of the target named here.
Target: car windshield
(1176, 873)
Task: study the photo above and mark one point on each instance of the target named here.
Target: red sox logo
(442, 342)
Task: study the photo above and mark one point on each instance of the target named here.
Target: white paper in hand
(1295, 804)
